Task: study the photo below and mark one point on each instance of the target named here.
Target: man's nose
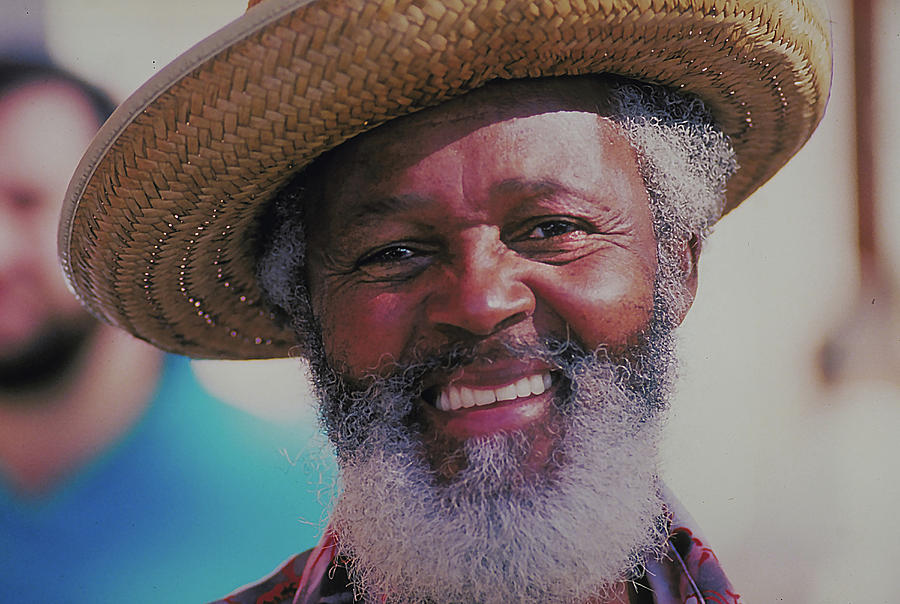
(485, 291)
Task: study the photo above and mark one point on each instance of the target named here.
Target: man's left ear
(688, 253)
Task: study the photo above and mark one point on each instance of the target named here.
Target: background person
(121, 478)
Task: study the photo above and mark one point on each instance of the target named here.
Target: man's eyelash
(383, 254)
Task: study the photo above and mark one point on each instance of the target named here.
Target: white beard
(493, 535)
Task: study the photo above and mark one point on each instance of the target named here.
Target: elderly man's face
(481, 220)
(494, 355)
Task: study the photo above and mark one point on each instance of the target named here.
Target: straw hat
(158, 234)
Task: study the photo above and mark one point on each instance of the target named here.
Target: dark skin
(514, 211)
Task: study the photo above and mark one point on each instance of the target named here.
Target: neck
(47, 439)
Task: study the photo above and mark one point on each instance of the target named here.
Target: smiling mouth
(453, 397)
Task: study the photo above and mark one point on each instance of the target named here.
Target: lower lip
(502, 416)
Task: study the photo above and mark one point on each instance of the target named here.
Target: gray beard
(494, 533)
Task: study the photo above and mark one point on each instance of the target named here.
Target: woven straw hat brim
(158, 233)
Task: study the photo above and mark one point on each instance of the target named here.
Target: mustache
(354, 411)
(430, 363)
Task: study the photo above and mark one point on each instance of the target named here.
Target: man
(480, 223)
(110, 451)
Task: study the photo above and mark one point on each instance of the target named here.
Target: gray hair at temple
(684, 157)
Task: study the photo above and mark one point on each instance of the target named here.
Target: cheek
(608, 307)
(363, 332)
(38, 258)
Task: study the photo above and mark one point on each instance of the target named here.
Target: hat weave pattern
(159, 232)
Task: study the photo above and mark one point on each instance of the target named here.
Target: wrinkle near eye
(333, 262)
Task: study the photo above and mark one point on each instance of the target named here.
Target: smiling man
(480, 224)
(488, 306)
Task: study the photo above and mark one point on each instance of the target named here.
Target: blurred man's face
(44, 129)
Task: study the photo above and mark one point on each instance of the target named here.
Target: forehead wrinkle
(548, 189)
(532, 188)
(496, 101)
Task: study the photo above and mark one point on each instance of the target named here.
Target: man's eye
(388, 255)
(394, 263)
(552, 228)
(23, 199)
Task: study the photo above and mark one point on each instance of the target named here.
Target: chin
(497, 530)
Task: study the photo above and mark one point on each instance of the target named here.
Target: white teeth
(484, 397)
(523, 387)
(507, 393)
(455, 400)
(537, 384)
(462, 397)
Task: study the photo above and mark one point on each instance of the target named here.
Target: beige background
(793, 482)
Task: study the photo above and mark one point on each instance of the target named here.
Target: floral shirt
(688, 573)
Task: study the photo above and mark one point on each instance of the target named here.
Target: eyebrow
(371, 210)
(532, 188)
(364, 213)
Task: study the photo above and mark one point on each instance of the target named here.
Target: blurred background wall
(792, 477)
